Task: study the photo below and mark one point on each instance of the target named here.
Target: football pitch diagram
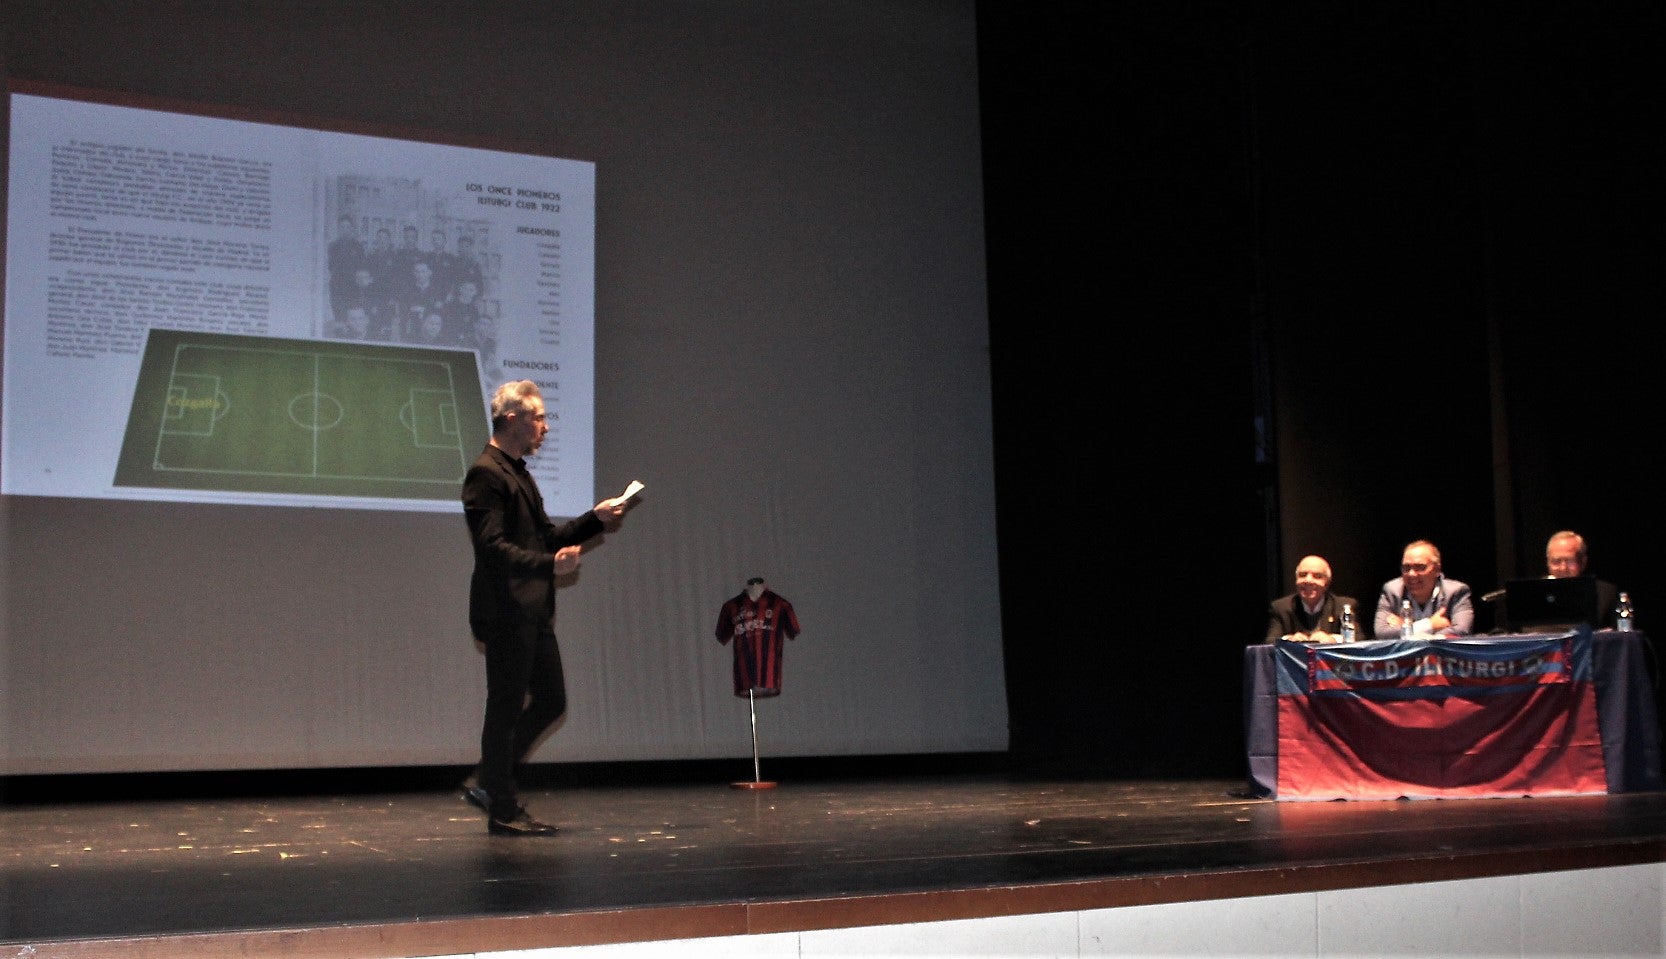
(260, 414)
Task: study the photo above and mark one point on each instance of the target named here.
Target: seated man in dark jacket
(1311, 614)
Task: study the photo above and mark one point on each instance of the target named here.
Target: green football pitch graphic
(259, 414)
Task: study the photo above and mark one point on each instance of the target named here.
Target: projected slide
(278, 315)
(220, 412)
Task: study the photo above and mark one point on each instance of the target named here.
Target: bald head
(1312, 579)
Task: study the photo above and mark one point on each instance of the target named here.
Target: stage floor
(410, 873)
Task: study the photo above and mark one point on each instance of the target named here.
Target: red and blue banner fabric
(1438, 718)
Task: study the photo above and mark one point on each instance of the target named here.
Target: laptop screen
(1550, 605)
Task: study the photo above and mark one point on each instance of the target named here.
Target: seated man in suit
(1566, 556)
(1312, 614)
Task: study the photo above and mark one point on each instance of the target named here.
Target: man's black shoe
(520, 824)
(476, 797)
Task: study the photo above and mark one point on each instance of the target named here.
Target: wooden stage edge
(394, 940)
(389, 864)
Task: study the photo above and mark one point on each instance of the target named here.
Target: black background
(1272, 279)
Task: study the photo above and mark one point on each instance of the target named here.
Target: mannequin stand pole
(757, 778)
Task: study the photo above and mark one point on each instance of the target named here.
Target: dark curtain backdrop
(1275, 279)
(1122, 291)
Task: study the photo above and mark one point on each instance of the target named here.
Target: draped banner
(1438, 718)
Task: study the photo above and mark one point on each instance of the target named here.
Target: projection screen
(772, 309)
(335, 308)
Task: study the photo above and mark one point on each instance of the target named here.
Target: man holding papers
(518, 553)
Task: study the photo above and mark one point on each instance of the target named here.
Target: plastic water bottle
(1622, 614)
(1405, 619)
(1348, 633)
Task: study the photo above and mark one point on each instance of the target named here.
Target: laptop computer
(1550, 605)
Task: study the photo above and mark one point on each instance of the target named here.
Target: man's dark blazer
(514, 544)
(1287, 615)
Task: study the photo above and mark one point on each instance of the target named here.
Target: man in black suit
(1312, 614)
(518, 553)
(1566, 556)
(346, 254)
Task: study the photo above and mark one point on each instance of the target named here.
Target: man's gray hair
(510, 398)
(1579, 543)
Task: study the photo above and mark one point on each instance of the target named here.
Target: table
(1622, 670)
